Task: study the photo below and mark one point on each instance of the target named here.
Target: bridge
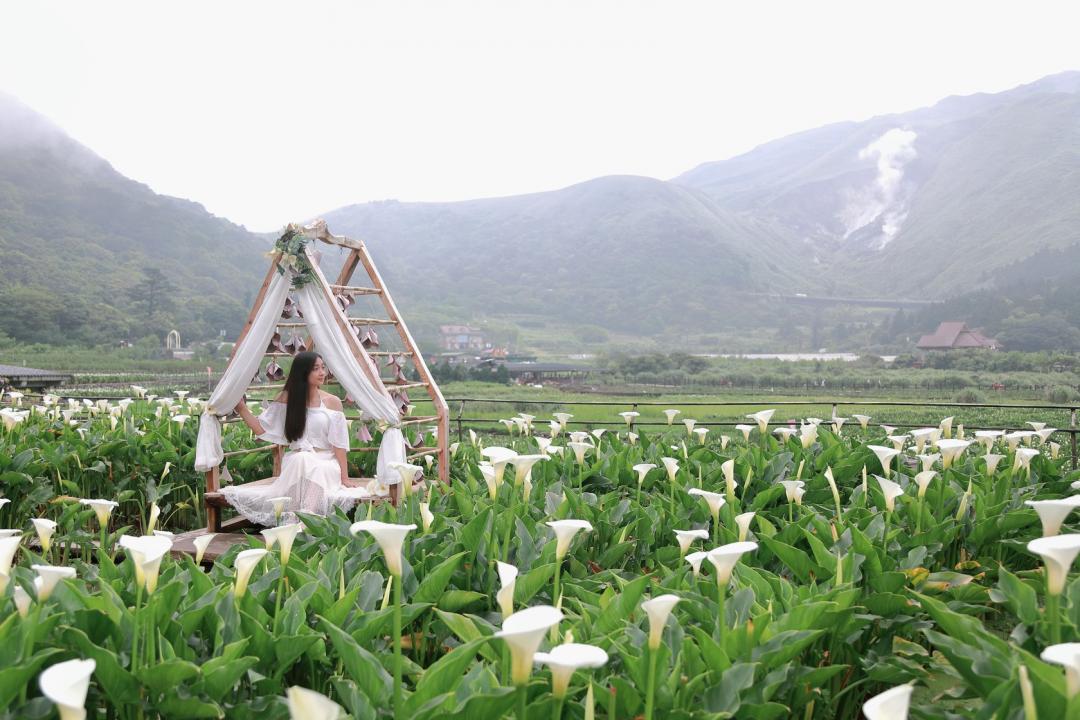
(868, 302)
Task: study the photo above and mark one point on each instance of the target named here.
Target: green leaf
(458, 600)
(444, 675)
(363, 667)
(434, 583)
(623, 606)
(724, 696)
(166, 676)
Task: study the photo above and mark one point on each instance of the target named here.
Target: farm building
(32, 378)
(955, 336)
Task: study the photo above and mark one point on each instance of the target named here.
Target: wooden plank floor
(183, 544)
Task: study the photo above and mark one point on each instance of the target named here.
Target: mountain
(923, 204)
(89, 255)
(629, 254)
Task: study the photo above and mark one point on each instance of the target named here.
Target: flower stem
(650, 684)
(397, 648)
(509, 527)
(1053, 610)
(721, 613)
(556, 709)
(918, 518)
(522, 702)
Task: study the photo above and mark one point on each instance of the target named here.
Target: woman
(315, 470)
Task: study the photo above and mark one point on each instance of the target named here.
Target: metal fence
(460, 419)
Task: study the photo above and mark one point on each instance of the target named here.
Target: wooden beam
(407, 340)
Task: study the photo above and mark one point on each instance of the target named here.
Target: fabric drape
(339, 349)
(245, 363)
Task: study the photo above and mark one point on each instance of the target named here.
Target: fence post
(633, 408)
(1072, 435)
(460, 412)
(834, 409)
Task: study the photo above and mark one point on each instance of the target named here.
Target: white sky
(271, 112)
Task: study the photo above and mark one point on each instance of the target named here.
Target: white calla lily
(642, 469)
(307, 704)
(283, 536)
(579, 448)
(686, 538)
(728, 469)
(201, 543)
(670, 415)
(951, 450)
(725, 557)
(523, 465)
(890, 705)
(499, 457)
(742, 521)
(1067, 655)
(929, 460)
(564, 659)
(1052, 513)
(523, 632)
(784, 433)
(562, 419)
(66, 684)
(891, 491)
(658, 609)
(488, 473)
(1022, 459)
(864, 420)
(791, 488)
(22, 601)
(245, 564)
(629, 417)
(390, 537)
(48, 577)
(884, 455)
(762, 419)
(427, 518)
(408, 474)
(45, 529)
(9, 545)
(923, 480)
(1058, 553)
(565, 530)
(715, 501)
(507, 582)
(102, 509)
(147, 553)
(745, 430)
(695, 559)
(672, 466)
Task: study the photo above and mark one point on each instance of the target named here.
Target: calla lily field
(832, 570)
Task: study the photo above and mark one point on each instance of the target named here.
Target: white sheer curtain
(339, 349)
(245, 363)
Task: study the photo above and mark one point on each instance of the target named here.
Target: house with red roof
(955, 335)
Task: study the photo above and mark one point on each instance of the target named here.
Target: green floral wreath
(289, 250)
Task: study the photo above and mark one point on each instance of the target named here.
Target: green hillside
(87, 255)
(630, 254)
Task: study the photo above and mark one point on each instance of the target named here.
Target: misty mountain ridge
(929, 204)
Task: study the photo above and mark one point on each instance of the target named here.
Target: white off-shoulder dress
(310, 473)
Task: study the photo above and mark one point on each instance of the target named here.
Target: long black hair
(296, 387)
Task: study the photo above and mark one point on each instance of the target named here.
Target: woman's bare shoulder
(332, 402)
(282, 397)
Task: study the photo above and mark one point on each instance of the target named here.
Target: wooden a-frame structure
(341, 293)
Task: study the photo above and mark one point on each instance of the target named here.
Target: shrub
(969, 395)
(1060, 394)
